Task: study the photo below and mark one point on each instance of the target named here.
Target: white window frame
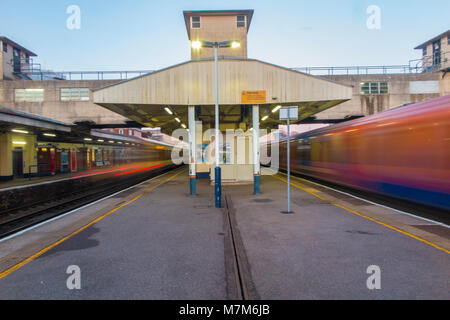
(29, 95)
(74, 94)
(199, 22)
(245, 21)
(378, 91)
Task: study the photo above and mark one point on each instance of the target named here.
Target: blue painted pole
(218, 187)
(256, 183)
(192, 181)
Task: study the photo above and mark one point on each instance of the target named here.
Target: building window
(374, 88)
(74, 94)
(195, 22)
(425, 51)
(120, 131)
(241, 21)
(5, 46)
(29, 95)
(448, 40)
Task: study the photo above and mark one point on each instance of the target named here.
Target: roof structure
(423, 45)
(145, 99)
(14, 44)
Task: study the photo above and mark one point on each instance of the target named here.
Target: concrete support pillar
(192, 150)
(256, 165)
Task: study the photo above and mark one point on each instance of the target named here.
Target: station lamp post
(216, 45)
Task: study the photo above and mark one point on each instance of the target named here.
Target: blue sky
(150, 34)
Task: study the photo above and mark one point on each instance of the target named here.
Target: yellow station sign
(257, 96)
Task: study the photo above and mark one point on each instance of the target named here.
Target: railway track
(240, 285)
(17, 219)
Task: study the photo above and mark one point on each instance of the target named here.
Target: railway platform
(156, 241)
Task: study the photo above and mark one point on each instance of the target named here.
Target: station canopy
(150, 99)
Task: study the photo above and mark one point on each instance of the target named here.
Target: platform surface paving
(155, 241)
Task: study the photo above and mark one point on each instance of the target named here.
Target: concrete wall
(399, 93)
(53, 108)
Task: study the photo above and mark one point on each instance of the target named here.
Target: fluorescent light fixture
(276, 109)
(34, 90)
(235, 44)
(49, 134)
(111, 141)
(265, 118)
(196, 44)
(19, 131)
(87, 139)
(19, 142)
(168, 110)
(119, 142)
(183, 125)
(100, 140)
(178, 120)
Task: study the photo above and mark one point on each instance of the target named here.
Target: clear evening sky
(150, 34)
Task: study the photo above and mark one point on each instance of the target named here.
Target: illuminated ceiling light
(276, 109)
(168, 110)
(87, 139)
(178, 120)
(100, 140)
(111, 141)
(19, 142)
(49, 134)
(127, 143)
(34, 90)
(19, 131)
(119, 142)
(235, 44)
(265, 118)
(196, 44)
(184, 126)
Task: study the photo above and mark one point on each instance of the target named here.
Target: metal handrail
(359, 70)
(88, 75)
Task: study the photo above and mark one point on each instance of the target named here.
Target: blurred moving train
(402, 153)
(64, 158)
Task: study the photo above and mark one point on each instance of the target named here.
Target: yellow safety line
(37, 254)
(369, 218)
(308, 190)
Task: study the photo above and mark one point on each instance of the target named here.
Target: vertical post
(289, 164)
(256, 165)
(217, 172)
(192, 150)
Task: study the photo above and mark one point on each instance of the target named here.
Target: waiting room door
(18, 163)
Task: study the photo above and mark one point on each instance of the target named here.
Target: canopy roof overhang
(145, 99)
